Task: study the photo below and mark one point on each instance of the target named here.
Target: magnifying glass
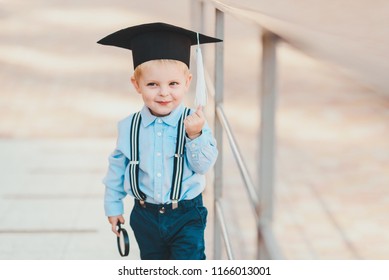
(123, 241)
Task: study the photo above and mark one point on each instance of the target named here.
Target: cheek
(178, 94)
(147, 95)
(149, 92)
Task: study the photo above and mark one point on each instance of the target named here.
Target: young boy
(163, 151)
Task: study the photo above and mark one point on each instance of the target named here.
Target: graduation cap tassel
(201, 88)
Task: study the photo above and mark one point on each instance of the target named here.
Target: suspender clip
(178, 155)
(174, 204)
(134, 162)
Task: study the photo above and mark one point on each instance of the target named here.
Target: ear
(135, 84)
(188, 81)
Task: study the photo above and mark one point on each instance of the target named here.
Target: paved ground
(51, 205)
(62, 94)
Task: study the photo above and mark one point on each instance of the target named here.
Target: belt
(162, 208)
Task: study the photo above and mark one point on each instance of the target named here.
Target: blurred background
(61, 96)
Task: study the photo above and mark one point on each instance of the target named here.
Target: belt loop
(142, 203)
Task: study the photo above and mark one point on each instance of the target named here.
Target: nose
(164, 91)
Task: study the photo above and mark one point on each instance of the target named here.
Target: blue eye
(152, 84)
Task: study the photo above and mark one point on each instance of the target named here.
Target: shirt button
(193, 155)
(158, 154)
(159, 174)
(159, 121)
(193, 145)
(159, 134)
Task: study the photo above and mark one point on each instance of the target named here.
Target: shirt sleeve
(201, 152)
(114, 184)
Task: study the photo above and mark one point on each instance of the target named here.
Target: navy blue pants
(163, 233)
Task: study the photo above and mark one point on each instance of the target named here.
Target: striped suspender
(178, 169)
(134, 160)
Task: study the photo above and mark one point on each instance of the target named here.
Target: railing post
(218, 169)
(197, 15)
(267, 137)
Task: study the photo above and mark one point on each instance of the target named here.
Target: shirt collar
(171, 119)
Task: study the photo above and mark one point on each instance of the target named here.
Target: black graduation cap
(157, 41)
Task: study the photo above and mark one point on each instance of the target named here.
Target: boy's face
(162, 86)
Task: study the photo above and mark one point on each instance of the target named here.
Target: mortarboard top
(157, 41)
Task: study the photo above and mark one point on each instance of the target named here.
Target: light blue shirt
(157, 144)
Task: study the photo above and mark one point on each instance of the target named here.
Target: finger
(114, 222)
(199, 111)
(114, 230)
(189, 119)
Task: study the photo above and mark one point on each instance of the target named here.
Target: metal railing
(260, 194)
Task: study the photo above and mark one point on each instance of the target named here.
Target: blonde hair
(138, 70)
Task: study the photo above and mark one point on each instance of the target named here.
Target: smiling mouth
(163, 102)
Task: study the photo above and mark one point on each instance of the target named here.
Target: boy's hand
(194, 123)
(114, 221)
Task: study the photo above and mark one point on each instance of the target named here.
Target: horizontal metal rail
(265, 230)
(239, 160)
